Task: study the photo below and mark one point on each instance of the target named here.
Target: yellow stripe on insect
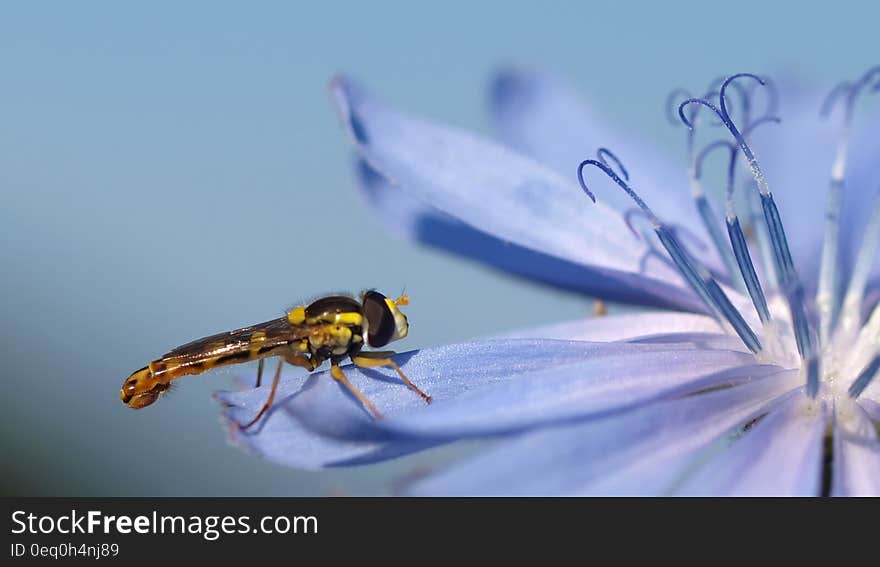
(257, 340)
(343, 318)
(297, 316)
(351, 318)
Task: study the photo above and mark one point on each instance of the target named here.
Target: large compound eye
(381, 324)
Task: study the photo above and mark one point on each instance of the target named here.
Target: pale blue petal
(641, 452)
(403, 214)
(280, 437)
(643, 326)
(503, 387)
(543, 117)
(780, 456)
(856, 453)
(871, 408)
(497, 191)
(872, 296)
(862, 192)
(412, 219)
(451, 368)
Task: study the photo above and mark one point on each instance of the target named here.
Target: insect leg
(260, 372)
(298, 359)
(338, 375)
(268, 403)
(382, 358)
(291, 358)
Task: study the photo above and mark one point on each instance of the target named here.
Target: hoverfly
(330, 328)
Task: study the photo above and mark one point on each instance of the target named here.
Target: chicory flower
(759, 379)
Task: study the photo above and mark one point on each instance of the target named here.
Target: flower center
(838, 356)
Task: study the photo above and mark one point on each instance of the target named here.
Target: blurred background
(165, 167)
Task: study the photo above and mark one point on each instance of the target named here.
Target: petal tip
(222, 397)
(512, 86)
(347, 96)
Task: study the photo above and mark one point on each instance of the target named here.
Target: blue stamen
(789, 280)
(643, 236)
(652, 250)
(737, 236)
(677, 229)
(709, 220)
(762, 237)
(850, 315)
(744, 259)
(699, 277)
(792, 289)
(694, 273)
(734, 228)
(813, 376)
(828, 295)
(865, 377)
(784, 263)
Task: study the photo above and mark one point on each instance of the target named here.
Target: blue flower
(757, 377)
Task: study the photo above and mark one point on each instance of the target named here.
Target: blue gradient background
(171, 170)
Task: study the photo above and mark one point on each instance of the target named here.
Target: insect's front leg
(383, 358)
(309, 362)
(340, 377)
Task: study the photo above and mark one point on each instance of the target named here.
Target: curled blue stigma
(623, 185)
(769, 86)
(602, 153)
(697, 276)
(834, 97)
(704, 208)
(744, 97)
(789, 280)
(711, 147)
(669, 107)
(847, 92)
